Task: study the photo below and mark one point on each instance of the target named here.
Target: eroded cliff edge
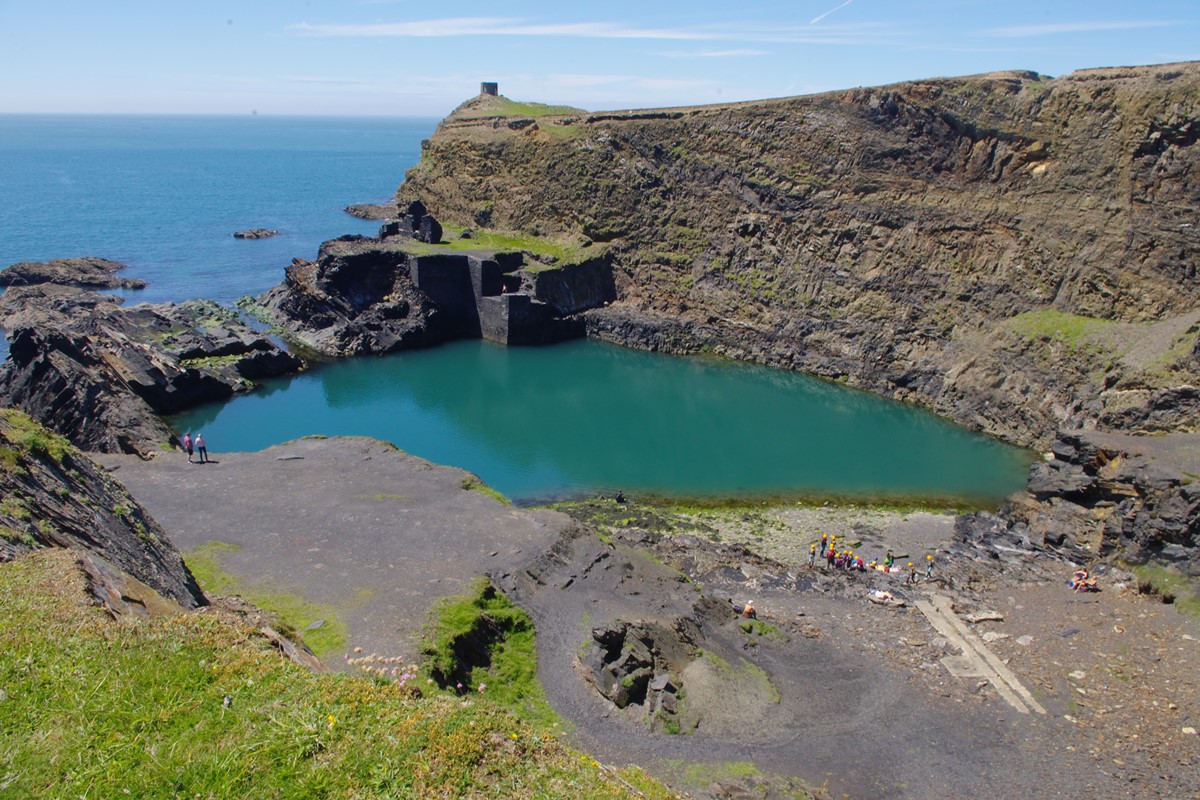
(1017, 252)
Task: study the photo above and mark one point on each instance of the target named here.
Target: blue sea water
(164, 194)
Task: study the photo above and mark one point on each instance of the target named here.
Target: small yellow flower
(332, 721)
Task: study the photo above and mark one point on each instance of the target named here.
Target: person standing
(812, 555)
(202, 447)
(187, 445)
(928, 568)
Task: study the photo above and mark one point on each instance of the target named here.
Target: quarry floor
(866, 709)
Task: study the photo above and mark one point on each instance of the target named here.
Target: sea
(164, 195)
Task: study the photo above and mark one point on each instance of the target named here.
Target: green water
(584, 417)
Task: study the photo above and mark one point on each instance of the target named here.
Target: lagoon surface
(586, 417)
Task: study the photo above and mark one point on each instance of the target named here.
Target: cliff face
(996, 247)
(51, 495)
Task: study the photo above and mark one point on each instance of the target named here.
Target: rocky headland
(1016, 252)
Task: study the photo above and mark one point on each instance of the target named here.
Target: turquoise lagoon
(586, 417)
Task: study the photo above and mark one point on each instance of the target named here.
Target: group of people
(196, 445)
(849, 561)
(1083, 581)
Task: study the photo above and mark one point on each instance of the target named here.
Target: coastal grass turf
(198, 705)
(483, 239)
(1168, 583)
(296, 615)
(1071, 329)
(481, 643)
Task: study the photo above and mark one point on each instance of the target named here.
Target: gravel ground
(865, 707)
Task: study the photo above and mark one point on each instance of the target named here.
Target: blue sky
(400, 57)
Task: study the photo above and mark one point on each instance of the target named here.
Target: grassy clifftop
(200, 705)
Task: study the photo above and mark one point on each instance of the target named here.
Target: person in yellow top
(812, 555)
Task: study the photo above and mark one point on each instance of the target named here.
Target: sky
(406, 58)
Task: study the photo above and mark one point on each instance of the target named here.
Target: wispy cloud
(1051, 29)
(500, 26)
(820, 17)
(865, 33)
(744, 52)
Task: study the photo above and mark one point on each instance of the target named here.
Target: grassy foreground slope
(198, 705)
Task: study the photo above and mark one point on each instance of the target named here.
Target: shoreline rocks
(91, 272)
(255, 233)
(101, 374)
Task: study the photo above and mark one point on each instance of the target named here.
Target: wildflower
(512, 736)
(458, 686)
(482, 688)
(332, 721)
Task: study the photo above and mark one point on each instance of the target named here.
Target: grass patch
(756, 627)
(209, 362)
(499, 106)
(473, 484)
(722, 771)
(482, 640)
(1059, 326)
(494, 241)
(27, 438)
(1170, 585)
(295, 613)
(746, 673)
(197, 705)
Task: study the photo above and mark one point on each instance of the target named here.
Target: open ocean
(164, 194)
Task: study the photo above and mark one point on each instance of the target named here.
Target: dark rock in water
(54, 496)
(100, 374)
(255, 233)
(374, 211)
(98, 273)
(356, 299)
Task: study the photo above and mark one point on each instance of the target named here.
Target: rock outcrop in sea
(92, 272)
(406, 289)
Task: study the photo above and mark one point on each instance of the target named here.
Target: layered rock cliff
(1015, 251)
(51, 495)
(100, 374)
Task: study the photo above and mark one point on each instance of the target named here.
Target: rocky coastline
(103, 375)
